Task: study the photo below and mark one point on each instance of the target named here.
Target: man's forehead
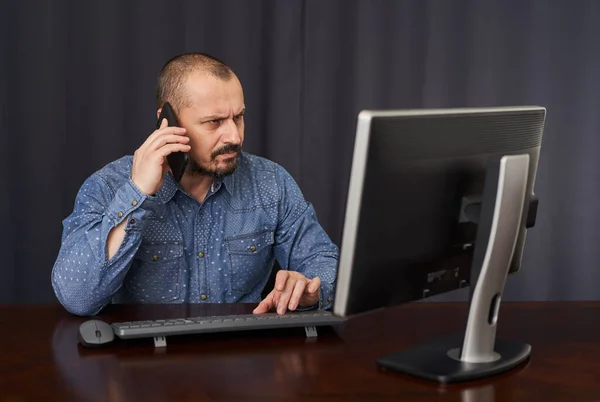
(217, 106)
(203, 80)
(213, 90)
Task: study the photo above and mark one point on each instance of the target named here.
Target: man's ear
(158, 113)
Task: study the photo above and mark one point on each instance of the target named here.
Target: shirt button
(329, 299)
(203, 297)
(120, 214)
(155, 258)
(201, 254)
(253, 248)
(134, 203)
(132, 221)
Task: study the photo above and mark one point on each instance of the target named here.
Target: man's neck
(196, 185)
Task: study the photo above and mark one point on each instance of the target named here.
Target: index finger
(265, 305)
(167, 130)
(281, 279)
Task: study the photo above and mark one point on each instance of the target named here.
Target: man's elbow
(75, 302)
(81, 309)
(77, 306)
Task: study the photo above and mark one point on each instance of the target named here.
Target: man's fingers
(164, 123)
(168, 139)
(170, 130)
(314, 285)
(281, 279)
(292, 289)
(170, 148)
(297, 294)
(280, 282)
(284, 298)
(265, 305)
(153, 140)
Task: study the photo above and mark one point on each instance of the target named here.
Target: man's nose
(230, 132)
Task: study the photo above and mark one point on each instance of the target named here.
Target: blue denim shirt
(178, 250)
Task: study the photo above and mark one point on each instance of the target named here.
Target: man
(137, 236)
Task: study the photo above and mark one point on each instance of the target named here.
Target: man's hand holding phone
(150, 160)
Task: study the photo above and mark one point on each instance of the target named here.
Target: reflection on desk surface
(484, 393)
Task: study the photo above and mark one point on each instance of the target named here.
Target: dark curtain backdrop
(77, 91)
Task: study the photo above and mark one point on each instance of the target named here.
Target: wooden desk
(41, 360)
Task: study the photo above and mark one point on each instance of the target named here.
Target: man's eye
(213, 121)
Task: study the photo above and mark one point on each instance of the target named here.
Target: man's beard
(211, 169)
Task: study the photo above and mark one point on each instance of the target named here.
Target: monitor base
(432, 360)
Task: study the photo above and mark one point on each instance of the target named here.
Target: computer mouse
(95, 333)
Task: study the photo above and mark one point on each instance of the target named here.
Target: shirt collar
(170, 187)
(228, 181)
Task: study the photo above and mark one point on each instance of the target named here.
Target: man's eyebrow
(220, 117)
(213, 117)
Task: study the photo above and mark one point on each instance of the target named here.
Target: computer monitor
(440, 200)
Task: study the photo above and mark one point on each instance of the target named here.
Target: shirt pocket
(250, 256)
(154, 276)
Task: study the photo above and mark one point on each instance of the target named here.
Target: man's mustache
(227, 149)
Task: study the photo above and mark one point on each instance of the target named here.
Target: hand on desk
(292, 289)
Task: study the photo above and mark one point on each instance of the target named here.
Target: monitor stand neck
(500, 223)
(476, 353)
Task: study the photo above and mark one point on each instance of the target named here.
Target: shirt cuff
(326, 296)
(130, 203)
(325, 299)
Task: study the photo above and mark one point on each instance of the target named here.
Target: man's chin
(223, 173)
(225, 167)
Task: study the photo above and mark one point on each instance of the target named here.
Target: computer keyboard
(226, 323)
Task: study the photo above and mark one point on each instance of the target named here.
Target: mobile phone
(177, 160)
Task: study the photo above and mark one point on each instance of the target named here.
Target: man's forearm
(84, 277)
(115, 239)
(98, 247)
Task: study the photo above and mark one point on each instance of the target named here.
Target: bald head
(170, 86)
